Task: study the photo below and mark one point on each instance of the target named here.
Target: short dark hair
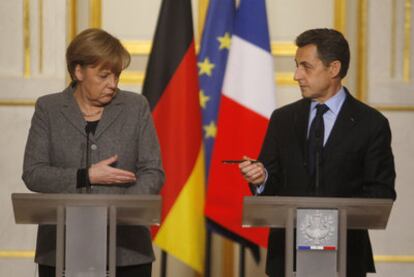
(94, 47)
(330, 44)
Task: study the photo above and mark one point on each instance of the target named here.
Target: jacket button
(94, 147)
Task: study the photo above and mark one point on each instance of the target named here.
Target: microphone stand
(317, 171)
(318, 159)
(88, 163)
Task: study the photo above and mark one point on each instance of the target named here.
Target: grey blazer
(55, 150)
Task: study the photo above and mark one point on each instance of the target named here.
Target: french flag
(248, 99)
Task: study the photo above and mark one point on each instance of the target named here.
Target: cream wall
(380, 74)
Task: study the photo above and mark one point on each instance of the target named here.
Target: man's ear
(79, 73)
(335, 68)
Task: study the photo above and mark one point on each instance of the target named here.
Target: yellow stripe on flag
(182, 233)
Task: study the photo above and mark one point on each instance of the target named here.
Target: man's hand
(252, 171)
(103, 173)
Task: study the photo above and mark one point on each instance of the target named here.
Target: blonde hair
(95, 47)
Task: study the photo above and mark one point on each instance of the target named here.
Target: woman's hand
(103, 173)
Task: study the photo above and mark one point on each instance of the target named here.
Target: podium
(73, 214)
(281, 212)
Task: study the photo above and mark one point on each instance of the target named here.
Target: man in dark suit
(326, 144)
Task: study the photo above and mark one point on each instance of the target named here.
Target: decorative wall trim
(227, 252)
(26, 38)
(95, 13)
(143, 47)
(17, 102)
(73, 19)
(25, 254)
(137, 78)
(285, 79)
(202, 12)
(137, 47)
(393, 37)
(393, 259)
(387, 108)
(340, 15)
(361, 78)
(40, 36)
(132, 77)
(17, 254)
(283, 48)
(407, 42)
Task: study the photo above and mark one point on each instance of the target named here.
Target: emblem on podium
(316, 229)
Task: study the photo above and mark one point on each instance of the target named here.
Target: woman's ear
(79, 73)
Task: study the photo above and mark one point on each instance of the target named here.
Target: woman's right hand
(103, 173)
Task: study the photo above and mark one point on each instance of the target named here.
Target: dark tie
(316, 136)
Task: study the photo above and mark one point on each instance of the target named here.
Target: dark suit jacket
(357, 162)
(56, 149)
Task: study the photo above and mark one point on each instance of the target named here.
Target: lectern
(281, 212)
(82, 219)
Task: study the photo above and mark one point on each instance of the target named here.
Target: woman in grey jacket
(124, 154)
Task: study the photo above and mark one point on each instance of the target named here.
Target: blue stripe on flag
(250, 18)
(217, 28)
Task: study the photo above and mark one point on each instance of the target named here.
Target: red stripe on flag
(241, 132)
(177, 120)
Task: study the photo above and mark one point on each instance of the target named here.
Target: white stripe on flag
(249, 78)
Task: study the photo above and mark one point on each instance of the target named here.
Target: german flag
(171, 87)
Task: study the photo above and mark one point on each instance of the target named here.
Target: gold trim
(23, 254)
(407, 42)
(387, 108)
(393, 37)
(72, 25)
(227, 266)
(17, 102)
(361, 82)
(137, 47)
(40, 36)
(393, 259)
(285, 79)
(95, 13)
(73, 19)
(137, 78)
(340, 15)
(143, 47)
(26, 38)
(227, 252)
(16, 254)
(132, 77)
(202, 12)
(283, 48)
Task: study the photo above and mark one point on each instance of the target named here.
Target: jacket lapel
(301, 125)
(110, 114)
(346, 120)
(71, 111)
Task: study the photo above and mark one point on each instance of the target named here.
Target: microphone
(88, 130)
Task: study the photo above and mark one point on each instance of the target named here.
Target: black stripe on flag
(173, 35)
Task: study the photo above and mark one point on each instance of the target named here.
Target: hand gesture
(253, 171)
(103, 173)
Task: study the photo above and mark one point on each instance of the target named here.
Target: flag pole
(208, 254)
(164, 259)
(242, 260)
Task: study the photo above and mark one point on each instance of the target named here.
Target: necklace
(91, 114)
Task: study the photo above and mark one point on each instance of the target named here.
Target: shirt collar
(334, 103)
